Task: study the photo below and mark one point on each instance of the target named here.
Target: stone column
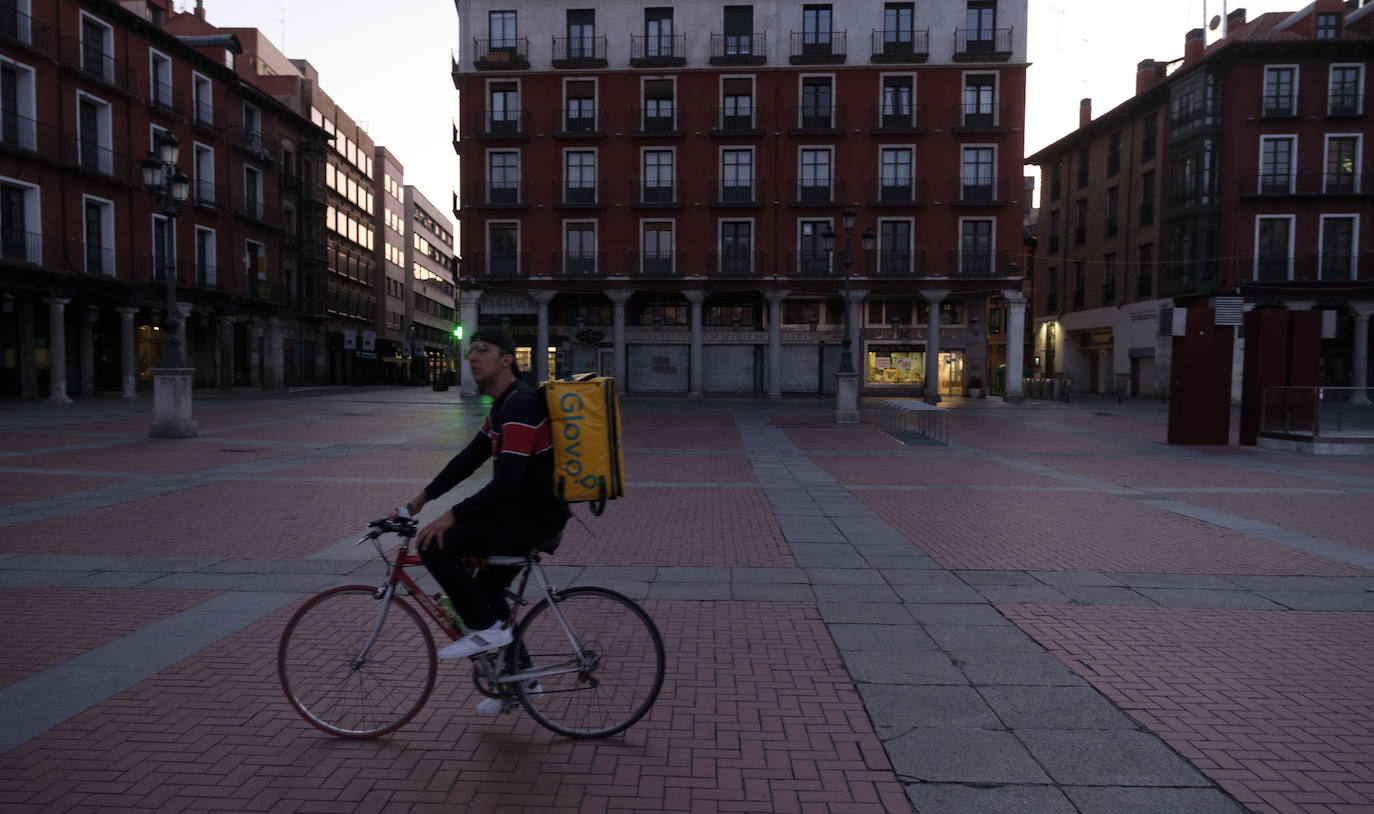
(88, 350)
(226, 353)
(57, 350)
(1362, 312)
(933, 345)
(697, 363)
(28, 351)
(274, 350)
(854, 308)
(1016, 344)
(467, 315)
(775, 299)
(128, 354)
(187, 352)
(618, 299)
(255, 352)
(539, 354)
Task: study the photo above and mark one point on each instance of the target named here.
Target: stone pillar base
(172, 403)
(847, 398)
(694, 395)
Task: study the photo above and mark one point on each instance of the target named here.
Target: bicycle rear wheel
(340, 689)
(607, 685)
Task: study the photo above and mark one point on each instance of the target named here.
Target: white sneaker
(495, 706)
(478, 641)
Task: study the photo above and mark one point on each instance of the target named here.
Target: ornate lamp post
(847, 379)
(170, 188)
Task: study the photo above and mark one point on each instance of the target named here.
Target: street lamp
(846, 385)
(169, 188)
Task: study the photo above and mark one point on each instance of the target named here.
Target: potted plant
(975, 387)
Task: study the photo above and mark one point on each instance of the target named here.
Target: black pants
(481, 599)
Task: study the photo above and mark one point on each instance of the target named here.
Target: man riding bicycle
(512, 514)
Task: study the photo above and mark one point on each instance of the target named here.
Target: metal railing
(735, 263)
(736, 193)
(656, 121)
(1317, 413)
(897, 118)
(502, 193)
(657, 263)
(572, 52)
(975, 43)
(657, 49)
(817, 118)
(911, 421)
(737, 120)
(579, 264)
(502, 123)
(504, 52)
(30, 135)
(816, 193)
(663, 193)
(97, 64)
(982, 116)
(17, 25)
(819, 46)
(901, 45)
(571, 122)
(892, 191)
(739, 47)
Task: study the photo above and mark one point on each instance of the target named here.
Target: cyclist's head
(496, 339)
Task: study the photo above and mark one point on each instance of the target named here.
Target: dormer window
(1328, 25)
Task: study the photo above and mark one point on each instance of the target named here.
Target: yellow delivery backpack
(584, 420)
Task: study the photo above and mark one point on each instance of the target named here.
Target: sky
(389, 66)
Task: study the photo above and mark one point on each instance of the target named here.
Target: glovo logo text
(570, 404)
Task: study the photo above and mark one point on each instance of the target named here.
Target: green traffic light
(458, 332)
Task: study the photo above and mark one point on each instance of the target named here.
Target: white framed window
(15, 20)
(977, 165)
(1342, 164)
(203, 192)
(97, 235)
(252, 191)
(896, 179)
(977, 243)
(21, 220)
(657, 169)
(980, 100)
(18, 114)
(656, 254)
(1276, 164)
(1339, 247)
(1280, 90)
(898, 97)
(737, 106)
(94, 136)
(579, 248)
(812, 258)
(164, 248)
(97, 47)
(815, 174)
(579, 106)
(503, 106)
(660, 108)
(737, 174)
(255, 267)
(736, 247)
(895, 245)
(202, 100)
(160, 81)
(1273, 248)
(207, 274)
(1345, 91)
(816, 102)
(579, 176)
(252, 127)
(503, 248)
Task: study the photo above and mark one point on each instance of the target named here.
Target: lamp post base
(847, 398)
(172, 403)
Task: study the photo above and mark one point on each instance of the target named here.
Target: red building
(646, 191)
(89, 87)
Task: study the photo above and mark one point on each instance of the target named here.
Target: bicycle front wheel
(604, 684)
(337, 686)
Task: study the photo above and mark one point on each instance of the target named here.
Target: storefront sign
(507, 304)
(369, 340)
(350, 339)
(1095, 338)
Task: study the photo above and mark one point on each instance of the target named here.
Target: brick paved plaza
(1055, 613)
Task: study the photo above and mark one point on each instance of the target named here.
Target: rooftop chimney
(1235, 21)
(200, 9)
(1147, 75)
(1194, 44)
(1085, 112)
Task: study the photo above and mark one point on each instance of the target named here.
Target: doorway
(952, 373)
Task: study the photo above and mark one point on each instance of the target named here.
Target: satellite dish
(1216, 21)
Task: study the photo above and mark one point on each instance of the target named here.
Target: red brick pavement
(148, 457)
(16, 442)
(1277, 707)
(380, 463)
(1362, 465)
(1003, 436)
(679, 526)
(925, 465)
(768, 722)
(46, 626)
(227, 519)
(21, 488)
(314, 430)
(675, 420)
(1072, 531)
(688, 467)
(1180, 473)
(1344, 518)
(842, 437)
(643, 438)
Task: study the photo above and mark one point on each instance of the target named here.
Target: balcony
(265, 291)
(96, 65)
(737, 121)
(98, 160)
(1205, 113)
(656, 194)
(1303, 183)
(982, 117)
(209, 278)
(819, 47)
(579, 265)
(255, 211)
(656, 122)
(739, 49)
(979, 190)
(896, 119)
(22, 247)
(502, 54)
(899, 265)
(896, 191)
(1280, 106)
(502, 195)
(252, 142)
(978, 263)
(20, 30)
(908, 45)
(811, 120)
(657, 264)
(982, 44)
(658, 51)
(167, 101)
(736, 193)
(502, 124)
(1345, 105)
(1189, 278)
(29, 136)
(579, 52)
(735, 263)
(812, 264)
(90, 258)
(204, 119)
(579, 195)
(207, 196)
(816, 193)
(501, 264)
(578, 123)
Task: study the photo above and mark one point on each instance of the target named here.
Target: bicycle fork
(359, 660)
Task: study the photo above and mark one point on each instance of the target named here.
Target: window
(739, 30)
(1280, 94)
(580, 175)
(658, 176)
(1328, 25)
(1080, 222)
(658, 105)
(203, 180)
(894, 247)
(1338, 247)
(14, 20)
(658, 32)
(252, 192)
(736, 247)
(501, 27)
(17, 106)
(98, 235)
(1147, 198)
(1113, 154)
(255, 262)
(975, 246)
(980, 91)
(899, 28)
(895, 176)
(252, 127)
(1080, 282)
(503, 249)
(20, 221)
(164, 249)
(1055, 174)
(1083, 156)
(817, 110)
(206, 273)
(897, 96)
(1109, 279)
(1113, 210)
(503, 177)
(503, 108)
(1149, 138)
(579, 249)
(1052, 290)
(1054, 231)
(1145, 273)
(581, 34)
(94, 138)
(579, 107)
(1342, 171)
(1273, 248)
(202, 101)
(812, 258)
(159, 81)
(1345, 95)
(981, 22)
(976, 181)
(816, 27)
(737, 176)
(1276, 165)
(656, 258)
(737, 112)
(815, 176)
(97, 48)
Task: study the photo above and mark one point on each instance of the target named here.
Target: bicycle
(359, 661)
